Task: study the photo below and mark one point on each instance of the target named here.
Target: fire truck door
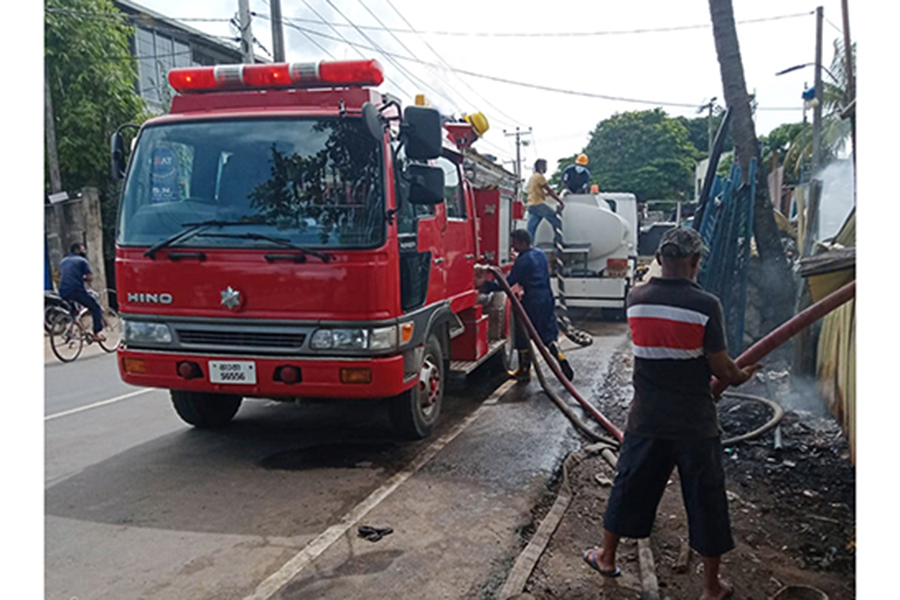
(459, 237)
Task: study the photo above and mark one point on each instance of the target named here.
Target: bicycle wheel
(52, 315)
(66, 338)
(111, 330)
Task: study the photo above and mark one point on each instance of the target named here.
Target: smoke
(794, 392)
(837, 197)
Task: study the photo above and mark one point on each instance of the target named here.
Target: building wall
(75, 220)
(161, 44)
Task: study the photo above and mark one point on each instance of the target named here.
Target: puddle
(333, 456)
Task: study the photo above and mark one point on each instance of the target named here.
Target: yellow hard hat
(478, 122)
(582, 159)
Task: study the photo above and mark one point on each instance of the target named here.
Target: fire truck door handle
(470, 256)
(438, 261)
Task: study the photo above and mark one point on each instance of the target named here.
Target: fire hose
(527, 560)
(753, 354)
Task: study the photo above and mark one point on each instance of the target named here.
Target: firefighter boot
(523, 373)
(563, 362)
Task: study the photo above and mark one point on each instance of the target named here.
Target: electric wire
(349, 43)
(512, 121)
(412, 30)
(389, 55)
(404, 46)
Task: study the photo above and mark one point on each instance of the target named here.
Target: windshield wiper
(268, 238)
(192, 228)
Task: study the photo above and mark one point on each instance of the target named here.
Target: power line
(446, 64)
(408, 74)
(412, 30)
(692, 105)
(346, 41)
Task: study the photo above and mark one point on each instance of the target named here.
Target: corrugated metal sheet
(836, 368)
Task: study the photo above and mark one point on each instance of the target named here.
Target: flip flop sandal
(729, 592)
(373, 534)
(590, 557)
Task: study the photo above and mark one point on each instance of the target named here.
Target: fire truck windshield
(314, 183)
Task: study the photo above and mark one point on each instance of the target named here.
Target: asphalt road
(140, 505)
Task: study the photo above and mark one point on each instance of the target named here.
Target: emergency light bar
(279, 75)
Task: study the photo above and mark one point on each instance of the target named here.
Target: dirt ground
(792, 508)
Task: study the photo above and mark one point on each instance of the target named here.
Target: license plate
(232, 371)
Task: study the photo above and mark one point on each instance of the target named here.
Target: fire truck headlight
(383, 338)
(138, 331)
(340, 339)
(321, 340)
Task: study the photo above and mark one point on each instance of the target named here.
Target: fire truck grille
(238, 340)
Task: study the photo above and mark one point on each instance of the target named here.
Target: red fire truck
(286, 231)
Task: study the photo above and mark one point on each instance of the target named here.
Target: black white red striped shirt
(674, 324)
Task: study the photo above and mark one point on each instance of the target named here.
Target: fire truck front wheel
(414, 412)
(204, 410)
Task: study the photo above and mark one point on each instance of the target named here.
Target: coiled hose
(751, 355)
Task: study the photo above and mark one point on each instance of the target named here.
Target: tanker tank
(588, 222)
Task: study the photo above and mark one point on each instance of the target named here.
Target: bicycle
(70, 329)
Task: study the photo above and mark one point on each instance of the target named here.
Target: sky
(675, 68)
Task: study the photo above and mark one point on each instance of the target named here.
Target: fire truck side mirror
(372, 119)
(117, 156)
(426, 184)
(118, 160)
(421, 132)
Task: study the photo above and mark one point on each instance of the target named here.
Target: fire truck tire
(414, 412)
(204, 410)
(506, 359)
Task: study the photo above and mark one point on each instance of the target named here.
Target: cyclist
(75, 273)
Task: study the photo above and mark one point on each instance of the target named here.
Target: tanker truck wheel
(204, 410)
(414, 412)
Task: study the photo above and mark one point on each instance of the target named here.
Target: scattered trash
(777, 442)
(605, 482)
(789, 463)
(809, 493)
(373, 534)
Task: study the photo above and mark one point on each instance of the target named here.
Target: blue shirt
(72, 269)
(532, 272)
(576, 178)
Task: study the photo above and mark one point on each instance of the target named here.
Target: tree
(768, 241)
(644, 152)
(91, 78)
(778, 143)
(698, 130)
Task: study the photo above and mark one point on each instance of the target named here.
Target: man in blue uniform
(530, 281)
(74, 272)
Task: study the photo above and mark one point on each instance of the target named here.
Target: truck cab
(288, 232)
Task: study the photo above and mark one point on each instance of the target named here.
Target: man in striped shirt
(679, 343)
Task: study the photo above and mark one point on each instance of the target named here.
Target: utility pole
(277, 31)
(850, 92)
(709, 106)
(50, 133)
(246, 32)
(815, 189)
(518, 168)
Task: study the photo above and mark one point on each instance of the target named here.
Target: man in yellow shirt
(537, 199)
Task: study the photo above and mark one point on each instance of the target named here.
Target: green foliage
(698, 130)
(645, 152)
(91, 78)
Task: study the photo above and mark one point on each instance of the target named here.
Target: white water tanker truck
(600, 234)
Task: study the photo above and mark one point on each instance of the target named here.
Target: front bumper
(320, 377)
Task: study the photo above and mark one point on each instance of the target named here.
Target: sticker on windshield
(164, 176)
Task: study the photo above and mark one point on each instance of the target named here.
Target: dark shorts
(644, 467)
